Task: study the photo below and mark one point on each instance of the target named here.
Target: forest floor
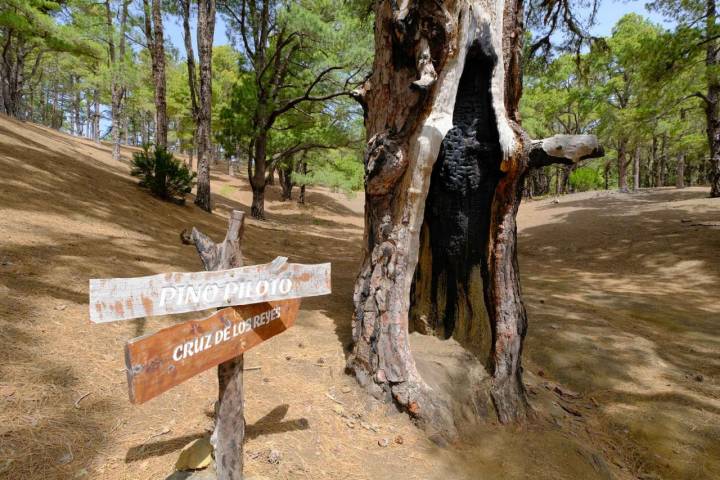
(622, 356)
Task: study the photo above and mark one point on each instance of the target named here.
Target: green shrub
(587, 178)
(165, 176)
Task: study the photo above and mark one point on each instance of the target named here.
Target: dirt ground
(622, 355)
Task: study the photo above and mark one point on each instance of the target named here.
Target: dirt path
(622, 296)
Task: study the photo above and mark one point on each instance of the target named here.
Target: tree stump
(445, 163)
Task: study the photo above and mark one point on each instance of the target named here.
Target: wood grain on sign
(126, 298)
(157, 362)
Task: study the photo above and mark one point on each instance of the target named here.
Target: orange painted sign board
(159, 361)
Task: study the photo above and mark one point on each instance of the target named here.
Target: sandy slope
(623, 298)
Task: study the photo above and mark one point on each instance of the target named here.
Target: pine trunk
(205, 33)
(712, 101)
(257, 209)
(302, 168)
(156, 45)
(96, 115)
(622, 165)
(444, 170)
(636, 169)
(445, 165)
(256, 173)
(680, 177)
(712, 114)
(286, 182)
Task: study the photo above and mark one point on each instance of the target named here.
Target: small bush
(586, 178)
(165, 176)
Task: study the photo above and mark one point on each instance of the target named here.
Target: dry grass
(68, 213)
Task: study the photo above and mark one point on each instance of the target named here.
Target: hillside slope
(622, 296)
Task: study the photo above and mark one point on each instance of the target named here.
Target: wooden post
(227, 438)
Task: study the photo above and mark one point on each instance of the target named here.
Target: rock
(350, 423)
(208, 474)
(301, 345)
(321, 361)
(81, 473)
(399, 440)
(383, 442)
(61, 307)
(339, 409)
(345, 390)
(699, 378)
(541, 373)
(288, 358)
(195, 455)
(274, 457)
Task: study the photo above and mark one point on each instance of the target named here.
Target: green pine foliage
(587, 178)
(162, 174)
(338, 170)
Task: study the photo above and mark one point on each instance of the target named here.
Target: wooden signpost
(260, 302)
(157, 362)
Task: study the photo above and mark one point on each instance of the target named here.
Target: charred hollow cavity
(448, 294)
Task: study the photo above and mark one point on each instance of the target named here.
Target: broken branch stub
(565, 149)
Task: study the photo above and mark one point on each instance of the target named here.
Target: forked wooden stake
(229, 433)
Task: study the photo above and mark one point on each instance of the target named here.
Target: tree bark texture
(636, 169)
(680, 171)
(445, 164)
(96, 115)
(12, 72)
(116, 59)
(712, 98)
(156, 44)
(622, 164)
(205, 33)
(229, 433)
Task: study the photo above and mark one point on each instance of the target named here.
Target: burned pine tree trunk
(445, 164)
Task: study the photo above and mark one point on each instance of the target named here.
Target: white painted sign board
(169, 293)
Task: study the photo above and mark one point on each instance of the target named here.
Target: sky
(609, 13)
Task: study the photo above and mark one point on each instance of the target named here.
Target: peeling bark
(444, 168)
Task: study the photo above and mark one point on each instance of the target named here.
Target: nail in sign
(157, 362)
(126, 298)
